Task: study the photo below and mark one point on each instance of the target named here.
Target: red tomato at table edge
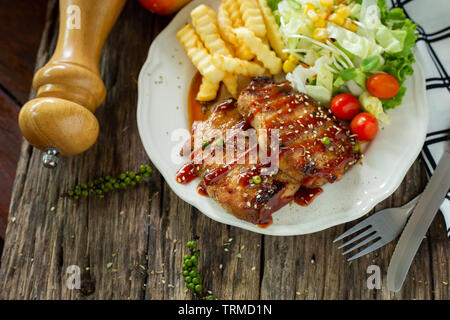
(345, 106)
(365, 126)
(163, 7)
(382, 85)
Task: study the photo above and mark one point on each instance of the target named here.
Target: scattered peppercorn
(101, 185)
(205, 144)
(191, 275)
(326, 141)
(257, 179)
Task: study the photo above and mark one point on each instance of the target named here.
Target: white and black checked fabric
(433, 47)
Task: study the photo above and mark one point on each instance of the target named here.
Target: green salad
(339, 46)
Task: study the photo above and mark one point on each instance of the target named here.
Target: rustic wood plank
(228, 253)
(11, 139)
(19, 44)
(140, 233)
(49, 232)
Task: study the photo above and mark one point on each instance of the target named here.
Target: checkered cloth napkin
(433, 47)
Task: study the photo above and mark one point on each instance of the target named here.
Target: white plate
(163, 87)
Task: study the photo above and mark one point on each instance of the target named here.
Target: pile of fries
(237, 41)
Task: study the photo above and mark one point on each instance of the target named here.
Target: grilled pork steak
(315, 147)
(231, 183)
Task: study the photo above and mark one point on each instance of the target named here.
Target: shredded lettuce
(382, 43)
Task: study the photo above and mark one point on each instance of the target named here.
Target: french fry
(208, 90)
(238, 66)
(252, 16)
(232, 7)
(273, 32)
(199, 56)
(231, 83)
(226, 25)
(260, 49)
(205, 23)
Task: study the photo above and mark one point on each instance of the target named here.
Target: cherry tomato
(365, 126)
(382, 85)
(345, 106)
(163, 7)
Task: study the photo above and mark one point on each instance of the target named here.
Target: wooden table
(130, 244)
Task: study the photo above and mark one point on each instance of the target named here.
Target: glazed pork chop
(238, 185)
(315, 147)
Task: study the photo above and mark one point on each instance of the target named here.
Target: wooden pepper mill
(69, 88)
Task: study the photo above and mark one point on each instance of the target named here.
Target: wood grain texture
(11, 140)
(141, 233)
(21, 24)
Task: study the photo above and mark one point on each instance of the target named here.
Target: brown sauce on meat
(187, 173)
(304, 196)
(281, 100)
(194, 107)
(201, 190)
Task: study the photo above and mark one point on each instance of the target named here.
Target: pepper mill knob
(69, 88)
(50, 158)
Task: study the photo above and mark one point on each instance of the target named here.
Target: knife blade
(419, 222)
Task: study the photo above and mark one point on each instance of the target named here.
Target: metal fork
(385, 225)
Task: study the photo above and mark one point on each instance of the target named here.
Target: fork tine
(369, 249)
(359, 236)
(354, 229)
(372, 237)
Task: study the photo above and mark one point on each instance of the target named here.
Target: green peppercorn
(84, 186)
(85, 193)
(122, 185)
(190, 286)
(70, 193)
(107, 178)
(326, 141)
(219, 142)
(146, 174)
(138, 178)
(198, 288)
(194, 260)
(188, 279)
(122, 176)
(193, 273)
(256, 179)
(116, 185)
(185, 273)
(196, 280)
(142, 168)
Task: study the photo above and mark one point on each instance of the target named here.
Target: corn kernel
(339, 20)
(312, 15)
(320, 23)
(308, 6)
(320, 34)
(290, 64)
(343, 11)
(326, 3)
(322, 15)
(349, 25)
